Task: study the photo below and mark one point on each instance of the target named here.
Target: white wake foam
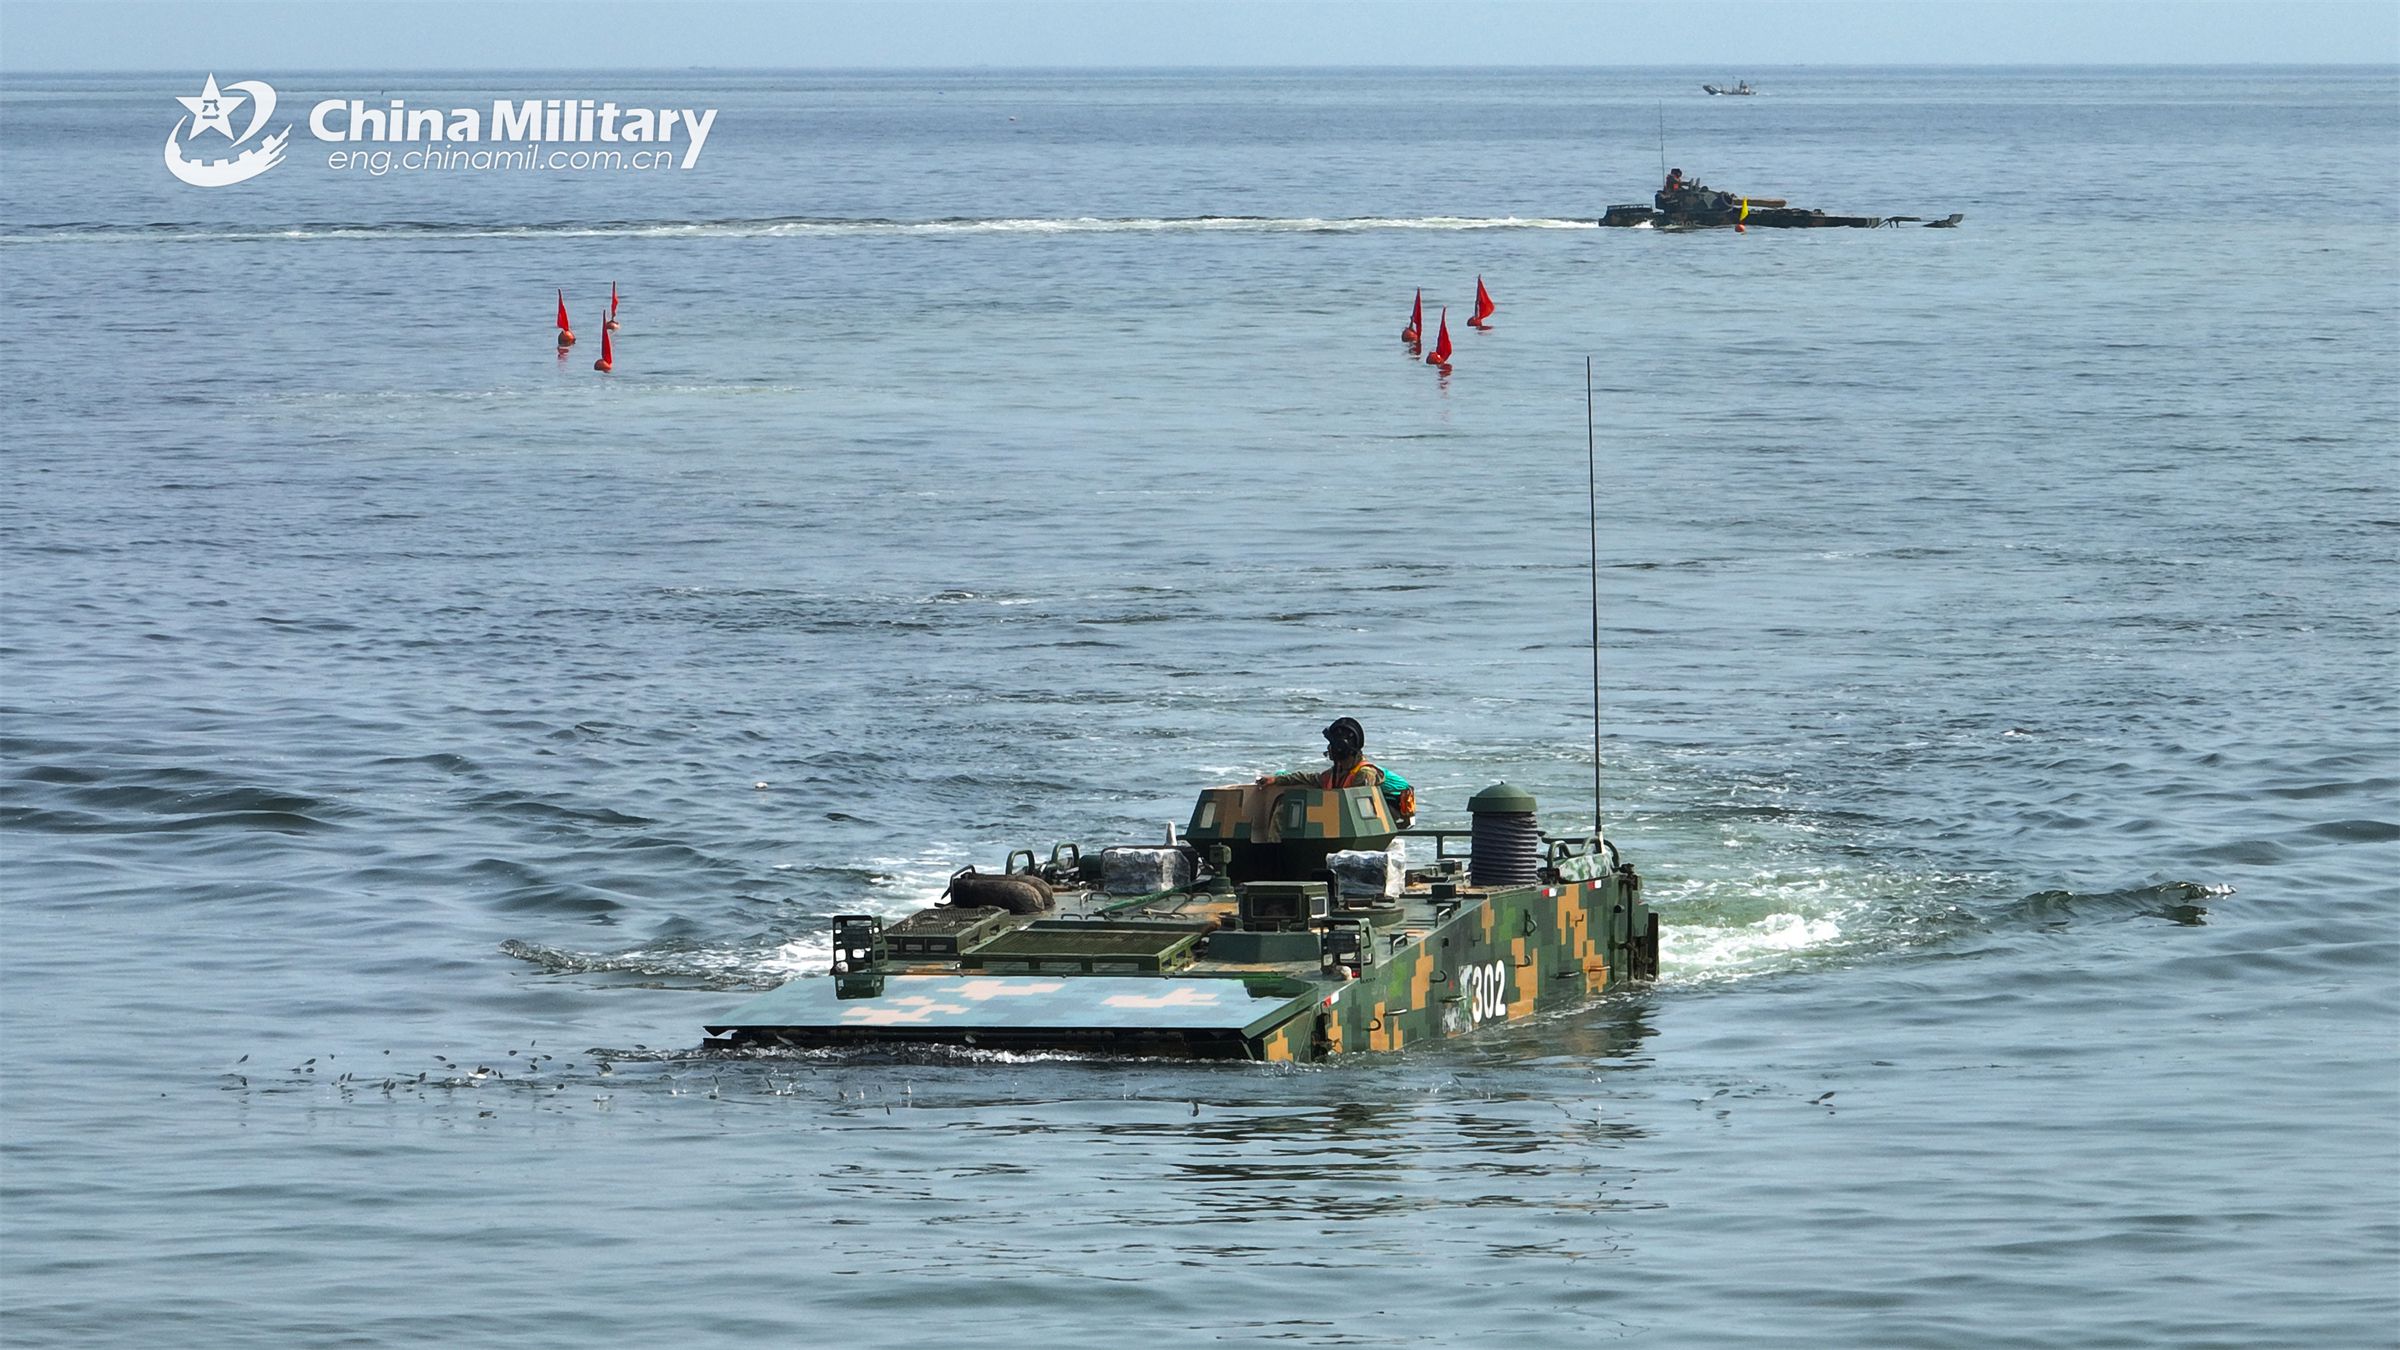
(803, 227)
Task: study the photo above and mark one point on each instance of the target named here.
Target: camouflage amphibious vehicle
(1282, 925)
(1687, 204)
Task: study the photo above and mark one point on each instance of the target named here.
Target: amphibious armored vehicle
(1281, 925)
(1688, 205)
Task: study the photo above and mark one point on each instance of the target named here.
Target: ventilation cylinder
(1507, 842)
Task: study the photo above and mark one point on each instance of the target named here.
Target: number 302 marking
(1487, 992)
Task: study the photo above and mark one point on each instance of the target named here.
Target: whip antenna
(1591, 460)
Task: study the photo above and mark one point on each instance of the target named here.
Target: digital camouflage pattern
(1251, 961)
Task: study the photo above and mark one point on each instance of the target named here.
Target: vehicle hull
(1408, 971)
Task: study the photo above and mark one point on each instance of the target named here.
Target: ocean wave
(2178, 902)
(776, 227)
(678, 961)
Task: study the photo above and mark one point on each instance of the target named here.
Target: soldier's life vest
(1397, 794)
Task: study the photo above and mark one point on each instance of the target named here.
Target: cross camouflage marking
(895, 1014)
(980, 990)
(1182, 996)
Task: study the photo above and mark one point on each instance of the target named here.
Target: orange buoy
(566, 333)
(608, 356)
(611, 325)
(1416, 320)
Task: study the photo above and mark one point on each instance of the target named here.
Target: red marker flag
(608, 355)
(563, 325)
(1440, 355)
(1483, 304)
(612, 299)
(1416, 319)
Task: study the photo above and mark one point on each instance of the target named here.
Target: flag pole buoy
(1440, 355)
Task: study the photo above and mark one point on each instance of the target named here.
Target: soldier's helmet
(1345, 737)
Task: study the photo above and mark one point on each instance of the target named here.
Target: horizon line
(1718, 66)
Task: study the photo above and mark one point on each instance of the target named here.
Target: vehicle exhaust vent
(1507, 843)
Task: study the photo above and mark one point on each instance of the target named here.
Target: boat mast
(1591, 459)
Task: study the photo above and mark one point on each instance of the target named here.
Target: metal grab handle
(1065, 867)
(1011, 865)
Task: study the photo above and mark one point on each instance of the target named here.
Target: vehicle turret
(1284, 832)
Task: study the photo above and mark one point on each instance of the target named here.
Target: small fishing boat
(1741, 88)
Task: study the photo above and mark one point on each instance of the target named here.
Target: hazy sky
(1726, 35)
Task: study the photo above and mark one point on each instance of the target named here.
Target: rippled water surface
(412, 738)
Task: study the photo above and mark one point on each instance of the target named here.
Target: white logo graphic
(210, 112)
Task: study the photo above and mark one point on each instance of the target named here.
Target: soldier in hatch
(1345, 745)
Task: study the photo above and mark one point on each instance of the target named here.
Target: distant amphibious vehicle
(1686, 204)
(1282, 925)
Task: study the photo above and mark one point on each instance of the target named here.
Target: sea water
(413, 737)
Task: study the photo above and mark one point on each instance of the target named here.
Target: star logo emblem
(211, 110)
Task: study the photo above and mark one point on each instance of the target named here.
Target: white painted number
(1487, 992)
